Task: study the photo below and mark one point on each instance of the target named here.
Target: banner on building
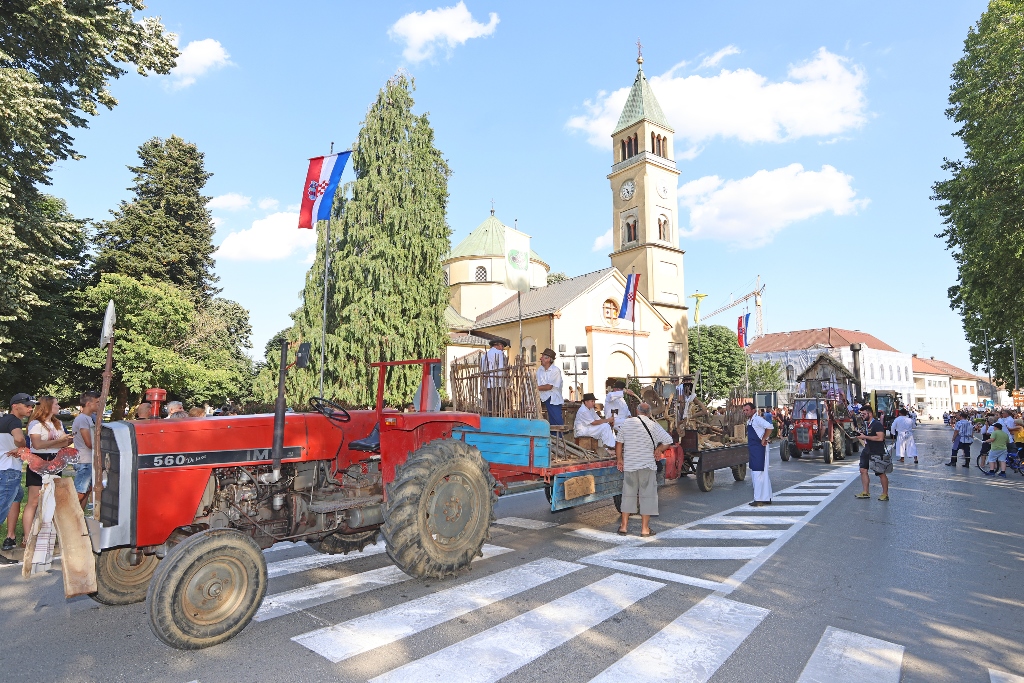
(517, 260)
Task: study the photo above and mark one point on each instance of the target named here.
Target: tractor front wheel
(439, 509)
(207, 589)
(118, 581)
(826, 452)
(786, 449)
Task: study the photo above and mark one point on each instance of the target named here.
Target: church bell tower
(644, 179)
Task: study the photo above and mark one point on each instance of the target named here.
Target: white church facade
(582, 311)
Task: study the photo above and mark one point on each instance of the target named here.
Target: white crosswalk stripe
(1003, 677)
(524, 523)
(288, 602)
(846, 657)
(610, 536)
(350, 638)
(691, 648)
(317, 560)
(500, 650)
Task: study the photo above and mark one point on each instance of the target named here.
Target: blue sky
(808, 135)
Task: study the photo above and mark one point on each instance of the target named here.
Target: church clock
(627, 190)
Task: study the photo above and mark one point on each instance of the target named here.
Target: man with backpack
(639, 442)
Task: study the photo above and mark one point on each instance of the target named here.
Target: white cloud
(749, 212)
(217, 221)
(424, 32)
(603, 241)
(714, 59)
(232, 201)
(267, 204)
(269, 239)
(196, 59)
(823, 96)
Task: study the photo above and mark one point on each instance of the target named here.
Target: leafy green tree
(162, 340)
(719, 358)
(554, 278)
(386, 292)
(46, 261)
(982, 201)
(165, 231)
(766, 375)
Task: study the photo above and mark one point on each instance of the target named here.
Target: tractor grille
(111, 497)
(803, 434)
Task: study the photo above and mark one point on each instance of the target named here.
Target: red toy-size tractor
(817, 427)
(188, 505)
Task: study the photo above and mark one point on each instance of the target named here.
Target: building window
(610, 310)
(629, 147)
(890, 373)
(623, 143)
(629, 230)
(663, 228)
(972, 388)
(653, 148)
(906, 372)
(533, 353)
(481, 274)
(956, 389)
(871, 369)
(790, 373)
(672, 363)
(636, 144)
(446, 282)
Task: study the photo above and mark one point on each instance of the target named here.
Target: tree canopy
(718, 357)
(982, 200)
(386, 292)
(165, 231)
(766, 375)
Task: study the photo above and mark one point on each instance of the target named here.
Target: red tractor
(187, 506)
(817, 425)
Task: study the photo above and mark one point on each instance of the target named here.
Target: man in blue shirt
(963, 437)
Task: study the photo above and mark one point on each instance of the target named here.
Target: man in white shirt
(615, 402)
(589, 423)
(12, 437)
(1008, 423)
(639, 442)
(903, 430)
(759, 430)
(82, 429)
(492, 363)
(549, 384)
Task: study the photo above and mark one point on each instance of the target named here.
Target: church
(582, 311)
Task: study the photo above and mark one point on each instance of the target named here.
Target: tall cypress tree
(166, 231)
(386, 293)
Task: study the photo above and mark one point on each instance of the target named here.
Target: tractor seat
(369, 443)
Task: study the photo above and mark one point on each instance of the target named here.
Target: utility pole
(1016, 382)
(988, 365)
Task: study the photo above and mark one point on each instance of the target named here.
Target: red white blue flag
(741, 332)
(321, 183)
(628, 309)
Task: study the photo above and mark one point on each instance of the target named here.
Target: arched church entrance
(619, 365)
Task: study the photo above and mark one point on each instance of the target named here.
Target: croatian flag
(746, 330)
(628, 309)
(321, 183)
(741, 332)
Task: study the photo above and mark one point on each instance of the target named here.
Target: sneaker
(990, 473)
(862, 496)
(951, 464)
(1002, 474)
(6, 561)
(966, 464)
(884, 496)
(9, 544)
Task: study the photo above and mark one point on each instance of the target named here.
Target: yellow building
(583, 310)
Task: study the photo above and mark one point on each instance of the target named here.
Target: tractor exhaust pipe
(279, 407)
(855, 349)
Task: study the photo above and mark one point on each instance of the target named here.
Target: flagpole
(519, 299)
(636, 290)
(323, 320)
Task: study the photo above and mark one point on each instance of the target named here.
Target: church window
(653, 145)
(663, 233)
(481, 274)
(623, 143)
(790, 373)
(533, 353)
(630, 230)
(629, 147)
(672, 363)
(636, 144)
(610, 310)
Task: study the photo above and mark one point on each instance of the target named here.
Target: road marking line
(495, 653)
(691, 648)
(792, 519)
(814, 490)
(287, 545)
(846, 657)
(1003, 677)
(524, 523)
(610, 536)
(289, 602)
(362, 634)
(810, 500)
(772, 508)
(732, 534)
(701, 552)
(307, 562)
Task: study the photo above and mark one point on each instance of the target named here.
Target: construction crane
(756, 296)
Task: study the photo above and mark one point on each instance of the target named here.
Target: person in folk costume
(549, 385)
(615, 403)
(903, 431)
(493, 363)
(589, 423)
(759, 430)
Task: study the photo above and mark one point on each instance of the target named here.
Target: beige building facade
(583, 310)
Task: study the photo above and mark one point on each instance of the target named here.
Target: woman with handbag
(873, 457)
(46, 436)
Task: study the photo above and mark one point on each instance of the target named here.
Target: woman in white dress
(903, 429)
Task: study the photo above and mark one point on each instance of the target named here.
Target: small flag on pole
(322, 180)
(517, 260)
(628, 309)
(746, 330)
(741, 333)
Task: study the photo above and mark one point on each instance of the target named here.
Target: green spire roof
(641, 104)
(487, 240)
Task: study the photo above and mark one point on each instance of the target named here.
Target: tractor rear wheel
(706, 480)
(439, 509)
(207, 589)
(739, 472)
(343, 544)
(826, 452)
(838, 444)
(118, 582)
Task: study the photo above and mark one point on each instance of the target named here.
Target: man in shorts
(873, 439)
(12, 436)
(82, 429)
(999, 440)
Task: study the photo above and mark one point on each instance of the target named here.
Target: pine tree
(166, 231)
(386, 293)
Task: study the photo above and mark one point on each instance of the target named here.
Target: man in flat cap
(589, 423)
(493, 363)
(549, 384)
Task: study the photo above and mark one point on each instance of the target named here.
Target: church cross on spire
(492, 207)
(639, 52)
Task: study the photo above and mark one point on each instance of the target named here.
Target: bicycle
(1013, 462)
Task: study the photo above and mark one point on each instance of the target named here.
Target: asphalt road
(822, 587)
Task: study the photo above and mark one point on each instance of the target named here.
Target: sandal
(883, 497)
(647, 535)
(862, 496)
(623, 533)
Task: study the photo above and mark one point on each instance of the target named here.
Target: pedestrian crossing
(539, 609)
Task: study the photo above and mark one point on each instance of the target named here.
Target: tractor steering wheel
(329, 409)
